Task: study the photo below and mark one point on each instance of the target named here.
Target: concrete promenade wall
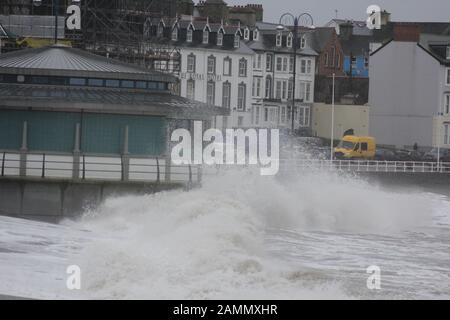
(53, 200)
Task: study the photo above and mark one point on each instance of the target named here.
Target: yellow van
(357, 148)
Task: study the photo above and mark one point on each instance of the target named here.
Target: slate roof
(356, 45)
(104, 100)
(74, 62)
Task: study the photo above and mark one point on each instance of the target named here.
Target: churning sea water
(240, 236)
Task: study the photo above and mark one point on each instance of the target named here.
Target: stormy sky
(324, 10)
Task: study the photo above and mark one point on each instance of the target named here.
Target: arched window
(289, 40)
(255, 35)
(205, 36)
(279, 39)
(220, 38)
(175, 34)
(189, 35)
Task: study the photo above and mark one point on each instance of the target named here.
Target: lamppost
(307, 21)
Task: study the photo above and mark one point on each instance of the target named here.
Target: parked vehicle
(433, 155)
(356, 148)
(385, 155)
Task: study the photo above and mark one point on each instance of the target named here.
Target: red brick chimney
(406, 32)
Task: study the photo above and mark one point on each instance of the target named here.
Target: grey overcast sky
(324, 10)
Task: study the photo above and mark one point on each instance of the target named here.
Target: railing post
(23, 151)
(76, 154)
(158, 171)
(43, 166)
(3, 164)
(84, 167)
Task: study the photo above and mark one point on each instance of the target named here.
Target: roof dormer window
(205, 36)
(289, 41)
(302, 42)
(159, 32)
(175, 34)
(448, 52)
(237, 41)
(247, 34)
(189, 35)
(255, 35)
(219, 38)
(279, 39)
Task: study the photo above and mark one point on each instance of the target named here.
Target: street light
(306, 20)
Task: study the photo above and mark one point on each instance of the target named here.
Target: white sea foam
(209, 243)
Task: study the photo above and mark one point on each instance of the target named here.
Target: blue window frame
(77, 81)
(127, 84)
(113, 83)
(95, 82)
(141, 84)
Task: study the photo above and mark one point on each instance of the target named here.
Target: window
(290, 89)
(257, 62)
(44, 80)
(226, 94)
(255, 35)
(302, 42)
(279, 39)
(366, 62)
(333, 56)
(364, 146)
(279, 63)
(268, 87)
(242, 67)
(237, 41)
(256, 89)
(447, 104)
(113, 83)
(284, 93)
(95, 82)
(247, 34)
(448, 53)
(285, 64)
(77, 81)
(283, 114)
(258, 109)
(291, 64)
(211, 65)
(160, 31)
(175, 34)
(189, 35)
(220, 38)
(127, 84)
(191, 63)
(305, 91)
(227, 66)
(269, 58)
(448, 77)
(447, 133)
(289, 41)
(326, 59)
(305, 66)
(278, 89)
(354, 62)
(304, 116)
(210, 93)
(190, 91)
(241, 96)
(205, 36)
(141, 85)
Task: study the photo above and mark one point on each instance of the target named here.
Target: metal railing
(367, 166)
(85, 167)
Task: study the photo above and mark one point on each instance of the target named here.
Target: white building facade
(247, 70)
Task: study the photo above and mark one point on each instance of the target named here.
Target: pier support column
(24, 151)
(125, 157)
(76, 154)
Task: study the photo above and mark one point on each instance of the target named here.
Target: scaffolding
(112, 28)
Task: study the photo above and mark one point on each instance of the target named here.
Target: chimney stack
(406, 32)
